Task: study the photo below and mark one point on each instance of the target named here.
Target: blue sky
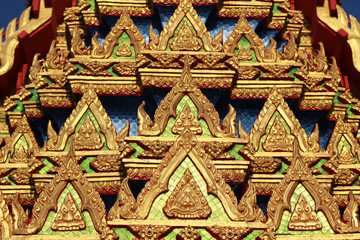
(10, 9)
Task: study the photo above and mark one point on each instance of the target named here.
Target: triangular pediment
(296, 182)
(88, 124)
(276, 119)
(185, 147)
(186, 88)
(185, 32)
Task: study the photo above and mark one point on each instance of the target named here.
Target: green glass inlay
(124, 234)
(283, 227)
(318, 166)
(253, 235)
(85, 164)
(79, 67)
(21, 142)
(48, 166)
(283, 168)
(235, 152)
(92, 5)
(34, 96)
(217, 211)
(89, 229)
(138, 149)
(9, 180)
(275, 8)
(336, 100)
(20, 106)
(292, 71)
(185, 20)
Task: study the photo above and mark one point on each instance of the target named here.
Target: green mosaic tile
(85, 164)
(235, 152)
(283, 168)
(21, 142)
(253, 235)
(217, 211)
(138, 149)
(319, 165)
(79, 67)
(90, 229)
(185, 21)
(48, 166)
(205, 235)
(124, 234)
(124, 38)
(34, 96)
(283, 227)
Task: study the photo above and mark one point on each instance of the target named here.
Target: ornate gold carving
(229, 233)
(351, 216)
(187, 200)
(69, 172)
(275, 103)
(210, 60)
(123, 51)
(248, 207)
(185, 10)
(150, 232)
(87, 137)
(20, 216)
(68, 218)
(278, 139)
(123, 25)
(244, 55)
(167, 109)
(95, 68)
(185, 40)
(106, 163)
(265, 164)
(298, 172)
(186, 119)
(155, 149)
(91, 102)
(303, 218)
(188, 233)
(6, 220)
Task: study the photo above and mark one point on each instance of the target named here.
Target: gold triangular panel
(68, 217)
(187, 200)
(186, 119)
(304, 217)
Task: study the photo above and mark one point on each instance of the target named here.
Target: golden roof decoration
(276, 104)
(70, 172)
(185, 145)
(297, 173)
(185, 10)
(88, 102)
(167, 109)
